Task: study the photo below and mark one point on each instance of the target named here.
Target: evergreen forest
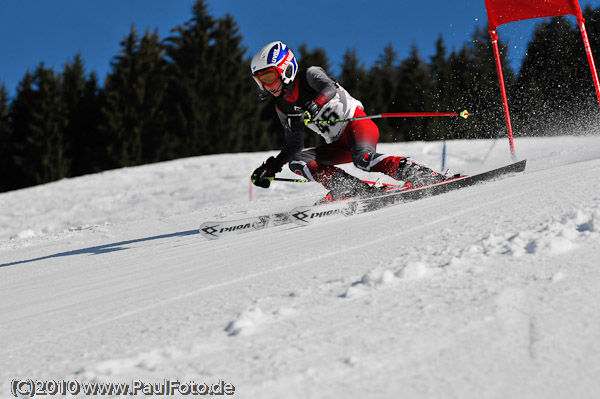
(168, 98)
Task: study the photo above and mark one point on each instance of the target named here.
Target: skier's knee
(302, 164)
(367, 159)
(362, 156)
(362, 159)
(300, 168)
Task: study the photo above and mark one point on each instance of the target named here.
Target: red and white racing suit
(347, 142)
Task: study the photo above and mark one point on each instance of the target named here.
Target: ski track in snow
(490, 291)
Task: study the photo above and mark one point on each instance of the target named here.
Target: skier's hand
(263, 175)
(311, 109)
(304, 116)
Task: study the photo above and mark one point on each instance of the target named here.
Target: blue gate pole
(444, 157)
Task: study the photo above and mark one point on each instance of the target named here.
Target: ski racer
(304, 96)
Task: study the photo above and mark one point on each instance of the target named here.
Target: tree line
(191, 94)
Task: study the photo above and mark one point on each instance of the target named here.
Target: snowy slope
(487, 292)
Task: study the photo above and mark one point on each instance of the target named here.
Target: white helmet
(278, 56)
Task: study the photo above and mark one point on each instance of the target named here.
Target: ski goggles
(267, 77)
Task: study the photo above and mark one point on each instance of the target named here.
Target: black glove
(263, 175)
(305, 114)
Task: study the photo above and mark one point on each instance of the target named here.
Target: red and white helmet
(274, 56)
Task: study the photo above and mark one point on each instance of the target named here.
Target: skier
(304, 96)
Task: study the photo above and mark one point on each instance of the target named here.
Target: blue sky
(32, 31)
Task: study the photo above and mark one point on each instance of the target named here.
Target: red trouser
(357, 144)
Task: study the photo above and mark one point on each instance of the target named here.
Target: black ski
(304, 215)
(223, 228)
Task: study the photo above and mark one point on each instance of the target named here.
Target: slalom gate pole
(588, 51)
(463, 114)
(444, 156)
(503, 92)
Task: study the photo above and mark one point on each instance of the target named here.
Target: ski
(224, 228)
(305, 215)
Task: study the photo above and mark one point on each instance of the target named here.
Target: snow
(487, 292)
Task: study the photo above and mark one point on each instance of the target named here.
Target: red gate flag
(503, 11)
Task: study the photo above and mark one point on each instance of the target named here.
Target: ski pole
(288, 180)
(463, 114)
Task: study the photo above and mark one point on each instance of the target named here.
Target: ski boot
(415, 175)
(344, 186)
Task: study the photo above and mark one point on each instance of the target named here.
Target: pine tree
(237, 128)
(213, 105)
(191, 73)
(353, 75)
(134, 111)
(6, 165)
(586, 102)
(551, 79)
(80, 95)
(316, 57)
(459, 64)
(592, 24)
(39, 146)
(381, 93)
(92, 155)
(414, 93)
(441, 128)
(150, 89)
(474, 85)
